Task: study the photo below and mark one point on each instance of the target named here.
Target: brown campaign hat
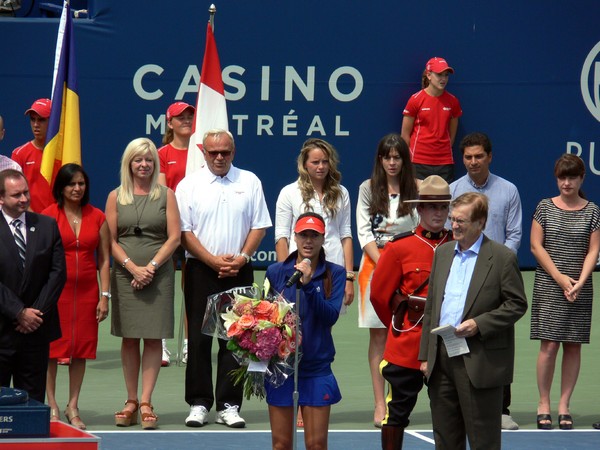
(433, 189)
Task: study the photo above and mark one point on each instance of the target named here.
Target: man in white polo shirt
(223, 220)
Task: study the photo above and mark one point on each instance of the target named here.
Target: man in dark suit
(32, 275)
(475, 286)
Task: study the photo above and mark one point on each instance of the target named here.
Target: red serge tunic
(79, 298)
(405, 264)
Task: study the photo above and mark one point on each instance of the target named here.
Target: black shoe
(596, 426)
(568, 425)
(544, 426)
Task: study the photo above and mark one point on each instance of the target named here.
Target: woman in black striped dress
(565, 239)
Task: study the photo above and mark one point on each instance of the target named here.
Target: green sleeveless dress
(148, 312)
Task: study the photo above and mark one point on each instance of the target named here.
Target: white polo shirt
(221, 211)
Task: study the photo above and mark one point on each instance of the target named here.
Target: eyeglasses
(215, 153)
(459, 222)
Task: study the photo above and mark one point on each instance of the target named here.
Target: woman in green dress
(143, 219)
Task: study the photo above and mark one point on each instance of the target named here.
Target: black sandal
(544, 426)
(565, 418)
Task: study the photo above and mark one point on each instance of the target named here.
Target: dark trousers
(506, 399)
(446, 171)
(404, 387)
(200, 282)
(26, 365)
(459, 410)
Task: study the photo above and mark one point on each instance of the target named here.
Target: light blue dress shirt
(458, 283)
(504, 224)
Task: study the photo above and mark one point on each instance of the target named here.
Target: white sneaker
(230, 417)
(184, 352)
(166, 354)
(197, 417)
(508, 423)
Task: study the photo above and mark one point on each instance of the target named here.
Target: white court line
(420, 436)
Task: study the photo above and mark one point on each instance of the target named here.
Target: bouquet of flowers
(261, 333)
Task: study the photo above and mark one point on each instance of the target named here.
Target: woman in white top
(380, 215)
(318, 190)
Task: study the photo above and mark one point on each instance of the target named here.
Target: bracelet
(350, 276)
(106, 294)
(126, 261)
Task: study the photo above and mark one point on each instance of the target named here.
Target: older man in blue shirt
(505, 214)
(476, 286)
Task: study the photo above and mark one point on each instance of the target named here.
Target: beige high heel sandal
(54, 415)
(149, 420)
(72, 415)
(129, 417)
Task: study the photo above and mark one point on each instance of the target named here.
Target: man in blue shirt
(504, 216)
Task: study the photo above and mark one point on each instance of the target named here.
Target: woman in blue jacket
(321, 288)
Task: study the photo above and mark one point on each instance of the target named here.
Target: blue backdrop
(527, 73)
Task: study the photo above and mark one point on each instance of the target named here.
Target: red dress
(79, 298)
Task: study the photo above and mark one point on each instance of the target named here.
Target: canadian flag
(211, 109)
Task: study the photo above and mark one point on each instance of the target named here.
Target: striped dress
(566, 239)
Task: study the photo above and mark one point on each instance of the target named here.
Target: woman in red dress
(81, 306)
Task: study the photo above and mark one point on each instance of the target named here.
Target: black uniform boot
(391, 438)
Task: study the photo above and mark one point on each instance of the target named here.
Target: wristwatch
(154, 264)
(246, 257)
(350, 276)
(106, 294)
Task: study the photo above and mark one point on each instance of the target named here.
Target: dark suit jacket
(495, 300)
(37, 285)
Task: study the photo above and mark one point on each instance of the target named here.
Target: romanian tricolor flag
(211, 109)
(63, 142)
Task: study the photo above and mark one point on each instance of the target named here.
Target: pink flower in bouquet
(246, 341)
(284, 349)
(290, 319)
(263, 310)
(267, 342)
(241, 308)
(247, 321)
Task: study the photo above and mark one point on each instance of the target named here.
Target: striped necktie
(19, 240)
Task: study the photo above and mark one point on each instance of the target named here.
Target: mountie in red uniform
(404, 265)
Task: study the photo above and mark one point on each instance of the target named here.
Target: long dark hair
(380, 200)
(62, 180)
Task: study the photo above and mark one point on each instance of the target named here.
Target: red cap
(177, 108)
(42, 106)
(438, 65)
(310, 223)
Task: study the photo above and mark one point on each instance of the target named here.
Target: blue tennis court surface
(338, 440)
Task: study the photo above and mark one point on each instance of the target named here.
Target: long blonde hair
(331, 188)
(135, 148)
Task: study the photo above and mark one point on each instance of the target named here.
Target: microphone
(296, 276)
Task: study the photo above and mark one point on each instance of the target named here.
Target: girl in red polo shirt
(430, 123)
